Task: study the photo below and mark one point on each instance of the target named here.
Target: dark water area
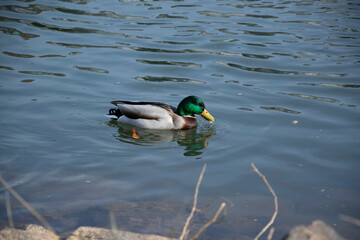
(281, 78)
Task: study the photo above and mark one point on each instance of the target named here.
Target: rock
(318, 230)
(36, 232)
(93, 233)
(29, 232)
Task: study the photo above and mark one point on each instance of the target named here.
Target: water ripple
(91, 69)
(281, 109)
(270, 6)
(43, 73)
(158, 50)
(74, 30)
(200, 32)
(175, 42)
(20, 9)
(182, 64)
(226, 30)
(226, 15)
(276, 71)
(51, 55)
(312, 23)
(170, 16)
(311, 97)
(167, 79)
(331, 85)
(293, 56)
(224, 40)
(75, 45)
(18, 54)
(7, 68)
(13, 31)
(186, 5)
(337, 45)
(21, 55)
(266, 34)
(27, 80)
(148, 23)
(74, 20)
(38, 8)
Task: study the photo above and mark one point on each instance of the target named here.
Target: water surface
(281, 79)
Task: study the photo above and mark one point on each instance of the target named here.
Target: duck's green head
(194, 105)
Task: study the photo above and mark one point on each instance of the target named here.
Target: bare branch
(349, 219)
(113, 225)
(222, 206)
(26, 205)
(185, 231)
(275, 202)
(8, 209)
(271, 233)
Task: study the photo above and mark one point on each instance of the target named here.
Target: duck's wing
(144, 110)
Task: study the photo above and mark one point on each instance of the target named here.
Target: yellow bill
(207, 116)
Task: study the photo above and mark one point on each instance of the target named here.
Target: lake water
(281, 79)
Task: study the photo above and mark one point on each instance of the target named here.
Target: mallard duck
(156, 115)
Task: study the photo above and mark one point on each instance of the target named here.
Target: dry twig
(8, 209)
(271, 233)
(275, 202)
(198, 211)
(26, 205)
(185, 231)
(113, 225)
(349, 219)
(222, 206)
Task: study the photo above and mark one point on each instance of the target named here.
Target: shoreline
(318, 230)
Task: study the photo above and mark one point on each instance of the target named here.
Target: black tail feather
(115, 112)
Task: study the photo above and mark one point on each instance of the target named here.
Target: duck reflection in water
(194, 140)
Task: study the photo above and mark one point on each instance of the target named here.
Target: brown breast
(190, 122)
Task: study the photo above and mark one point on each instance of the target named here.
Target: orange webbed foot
(134, 135)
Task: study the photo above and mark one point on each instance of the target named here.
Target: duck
(157, 115)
